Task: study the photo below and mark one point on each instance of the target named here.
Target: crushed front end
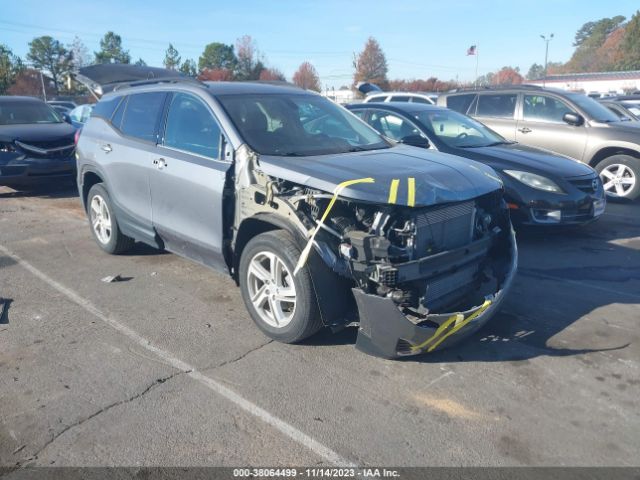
(423, 278)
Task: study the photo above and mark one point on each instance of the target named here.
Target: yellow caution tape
(393, 191)
(411, 195)
(307, 249)
(460, 322)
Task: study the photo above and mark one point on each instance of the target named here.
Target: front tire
(103, 222)
(620, 176)
(282, 305)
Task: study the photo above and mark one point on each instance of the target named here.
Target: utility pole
(546, 56)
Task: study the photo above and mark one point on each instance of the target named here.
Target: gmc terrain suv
(319, 219)
(568, 123)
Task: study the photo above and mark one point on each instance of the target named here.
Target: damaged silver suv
(320, 220)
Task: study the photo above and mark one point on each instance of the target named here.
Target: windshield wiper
(492, 144)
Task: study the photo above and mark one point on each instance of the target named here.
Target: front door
(188, 181)
(542, 126)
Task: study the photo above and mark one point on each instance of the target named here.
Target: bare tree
(371, 65)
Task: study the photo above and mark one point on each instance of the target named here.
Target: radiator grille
(445, 228)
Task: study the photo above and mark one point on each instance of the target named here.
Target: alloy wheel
(271, 289)
(618, 180)
(100, 219)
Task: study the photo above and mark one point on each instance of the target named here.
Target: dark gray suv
(564, 122)
(296, 198)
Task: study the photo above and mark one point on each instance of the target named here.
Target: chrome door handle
(106, 148)
(524, 130)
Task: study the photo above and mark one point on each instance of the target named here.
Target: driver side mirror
(573, 119)
(415, 141)
(66, 117)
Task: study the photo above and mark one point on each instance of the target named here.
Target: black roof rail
(152, 81)
(483, 88)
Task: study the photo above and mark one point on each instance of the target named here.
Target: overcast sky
(420, 38)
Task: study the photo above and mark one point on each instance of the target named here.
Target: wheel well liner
(89, 179)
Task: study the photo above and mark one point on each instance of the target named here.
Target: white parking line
(289, 430)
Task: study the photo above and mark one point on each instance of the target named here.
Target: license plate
(598, 207)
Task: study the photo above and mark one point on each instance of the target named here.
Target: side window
(420, 100)
(142, 114)
(497, 106)
(116, 120)
(105, 108)
(460, 103)
(400, 98)
(540, 108)
(380, 98)
(359, 113)
(392, 125)
(191, 127)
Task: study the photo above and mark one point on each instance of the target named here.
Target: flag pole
(477, 55)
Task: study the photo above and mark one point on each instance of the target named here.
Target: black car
(36, 145)
(542, 188)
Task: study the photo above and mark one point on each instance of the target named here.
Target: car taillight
(76, 137)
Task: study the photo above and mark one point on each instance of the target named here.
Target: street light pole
(546, 56)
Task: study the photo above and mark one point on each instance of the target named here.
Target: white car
(415, 97)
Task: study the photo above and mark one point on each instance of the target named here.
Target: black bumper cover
(383, 328)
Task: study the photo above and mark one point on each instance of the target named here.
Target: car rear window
(105, 107)
(400, 98)
(460, 103)
(497, 105)
(142, 114)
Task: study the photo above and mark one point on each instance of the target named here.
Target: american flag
(471, 50)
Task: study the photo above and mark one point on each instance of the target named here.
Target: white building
(602, 82)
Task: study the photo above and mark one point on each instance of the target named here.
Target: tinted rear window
(105, 108)
(497, 106)
(142, 115)
(460, 103)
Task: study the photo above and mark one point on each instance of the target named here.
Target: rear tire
(620, 176)
(103, 222)
(282, 305)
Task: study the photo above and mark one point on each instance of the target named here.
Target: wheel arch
(607, 152)
(89, 179)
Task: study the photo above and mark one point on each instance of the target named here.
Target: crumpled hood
(37, 132)
(521, 157)
(439, 177)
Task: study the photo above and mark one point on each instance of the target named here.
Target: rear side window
(460, 103)
(381, 98)
(191, 127)
(420, 100)
(105, 108)
(497, 106)
(399, 98)
(142, 114)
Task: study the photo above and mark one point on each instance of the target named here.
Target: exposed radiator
(444, 228)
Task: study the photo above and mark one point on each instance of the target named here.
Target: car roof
(379, 94)
(238, 88)
(508, 88)
(18, 99)
(400, 107)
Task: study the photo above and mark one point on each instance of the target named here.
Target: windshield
(457, 130)
(298, 125)
(14, 113)
(596, 111)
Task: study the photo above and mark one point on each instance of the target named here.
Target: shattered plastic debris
(113, 278)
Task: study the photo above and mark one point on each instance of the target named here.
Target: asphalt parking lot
(167, 368)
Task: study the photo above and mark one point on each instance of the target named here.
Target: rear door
(127, 157)
(542, 126)
(188, 180)
(498, 112)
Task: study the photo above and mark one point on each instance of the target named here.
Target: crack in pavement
(156, 383)
(233, 360)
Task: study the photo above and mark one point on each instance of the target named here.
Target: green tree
(47, 53)
(589, 38)
(140, 62)
(217, 56)
(249, 63)
(188, 68)
(111, 50)
(172, 58)
(10, 67)
(371, 65)
(536, 71)
(630, 47)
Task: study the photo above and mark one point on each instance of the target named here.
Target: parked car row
(392, 215)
